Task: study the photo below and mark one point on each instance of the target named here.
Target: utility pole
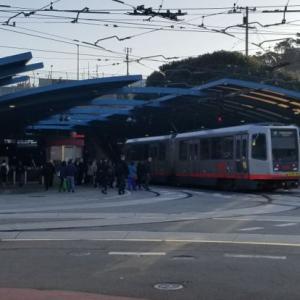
(77, 61)
(127, 51)
(51, 71)
(246, 22)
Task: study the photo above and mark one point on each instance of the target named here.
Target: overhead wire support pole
(127, 51)
(78, 59)
(246, 22)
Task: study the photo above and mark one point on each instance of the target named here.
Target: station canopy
(84, 104)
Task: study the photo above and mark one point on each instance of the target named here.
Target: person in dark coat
(104, 176)
(121, 174)
(48, 173)
(70, 175)
(147, 173)
(80, 171)
(20, 173)
(62, 176)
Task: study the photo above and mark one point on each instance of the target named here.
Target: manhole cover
(168, 286)
(37, 196)
(80, 253)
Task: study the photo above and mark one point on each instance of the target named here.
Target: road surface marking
(251, 228)
(254, 256)
(285, 224)
(158, 240)
(138, 253)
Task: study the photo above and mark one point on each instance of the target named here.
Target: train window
(238, 149)
(153, 151)
(244, 148)
(161, 151)
(259, 146)
(138, 152)
(204, 149)
(216, 148)
(227, 147)
(183, 150)
(193, 151)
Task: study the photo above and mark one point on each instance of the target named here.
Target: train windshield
(284, 145)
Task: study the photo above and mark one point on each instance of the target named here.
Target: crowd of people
(101, 174)
(5, 170)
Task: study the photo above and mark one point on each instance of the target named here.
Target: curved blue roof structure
(12, 65)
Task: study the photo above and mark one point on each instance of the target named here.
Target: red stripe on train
(234, 176)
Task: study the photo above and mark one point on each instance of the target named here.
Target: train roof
(149, 139)
(204, 132)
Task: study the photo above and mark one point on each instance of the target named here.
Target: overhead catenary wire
(153, 25)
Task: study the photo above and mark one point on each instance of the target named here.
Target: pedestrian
(89, 173)
(51, 172)
(121, 174)
(104, 176)
(147, 173)
(20, 173)
(4, 169)
(48, 173)
(62, 177)
(70, 175)
(132, 176)
(94, 172)
(140, 174)
(80, 171)
(111, 174)
(99, 174)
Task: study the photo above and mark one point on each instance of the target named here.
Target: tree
(271, 67)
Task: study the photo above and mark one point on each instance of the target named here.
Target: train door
(241, 154)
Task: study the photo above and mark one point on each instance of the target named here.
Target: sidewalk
(30, 294)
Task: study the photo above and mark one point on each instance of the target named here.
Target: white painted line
(254, 256)
(285, 224)
(138, 253)
(251, 228)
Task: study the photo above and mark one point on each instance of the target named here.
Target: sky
(162, 39)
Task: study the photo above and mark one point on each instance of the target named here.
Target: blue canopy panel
(162, 91)
(10, 66)
(95, 110)
(76, 117)
(74, 89)
(51, 127)
(107, 101)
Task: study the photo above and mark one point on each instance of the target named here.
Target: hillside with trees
(280, 67)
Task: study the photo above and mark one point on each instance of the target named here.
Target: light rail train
(255, 156)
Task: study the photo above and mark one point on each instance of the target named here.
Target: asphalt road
(203, 244)
(132, 269)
